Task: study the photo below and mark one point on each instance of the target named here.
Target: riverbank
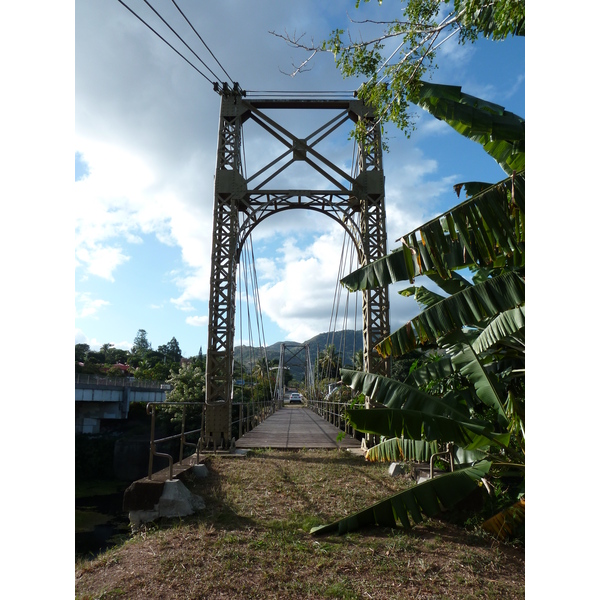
(100, 522)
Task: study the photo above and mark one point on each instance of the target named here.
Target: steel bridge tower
(294, 351)
(242, 202)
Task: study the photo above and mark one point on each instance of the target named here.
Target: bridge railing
(333, 412)
(181, 437)
(249, 415)
(120, 382)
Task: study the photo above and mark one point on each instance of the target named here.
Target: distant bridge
(109, 398)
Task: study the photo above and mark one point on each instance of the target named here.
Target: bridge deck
(294, 427)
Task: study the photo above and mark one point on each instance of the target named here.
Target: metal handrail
(151, 410)
(333, 412)
(448, 451)
(85, 379)
(256, 413)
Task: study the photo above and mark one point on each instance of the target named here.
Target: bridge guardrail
(250, 414)
(333, 412)
(151, 410)
(121, 382)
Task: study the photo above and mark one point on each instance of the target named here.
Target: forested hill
(346, 343)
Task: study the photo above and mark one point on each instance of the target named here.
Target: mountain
(346, 343)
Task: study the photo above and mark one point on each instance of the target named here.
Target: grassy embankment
(253, 541)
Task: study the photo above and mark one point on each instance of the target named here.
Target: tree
(472, 398)
(155, 357)
(391, 78)
(93, 357)
(117, 355)
(328, 363)
(187, 385)
(171, 351)
(105, 349)
(357, 360)
(141, 345)
(260, 370)
(81, 351)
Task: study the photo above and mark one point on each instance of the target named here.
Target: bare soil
(253, 541)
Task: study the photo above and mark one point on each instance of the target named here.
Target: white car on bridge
(295, 398)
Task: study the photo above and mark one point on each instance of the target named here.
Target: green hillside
(346, 343)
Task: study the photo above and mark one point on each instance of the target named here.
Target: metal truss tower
(244, 201)
(294, 352)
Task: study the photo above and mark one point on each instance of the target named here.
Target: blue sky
(145, 151)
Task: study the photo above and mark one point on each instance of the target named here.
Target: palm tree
(329, 363)
(261, 368)
(357, 360)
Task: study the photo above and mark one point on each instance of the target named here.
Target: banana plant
(478, 327)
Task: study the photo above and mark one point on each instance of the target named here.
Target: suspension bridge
(244, 200)
(250, 189)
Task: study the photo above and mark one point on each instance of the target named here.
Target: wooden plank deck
(294, 427)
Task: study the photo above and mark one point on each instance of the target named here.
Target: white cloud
(100, 260)
(197, 321)
(194, 287)
(88, 307)
(301, 302)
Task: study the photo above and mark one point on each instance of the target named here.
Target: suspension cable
(165, 41)
(205, 45)
(258, 311)
(180, 38)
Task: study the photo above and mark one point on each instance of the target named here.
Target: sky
(146, 128)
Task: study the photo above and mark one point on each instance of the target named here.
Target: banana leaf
(472, 434)
(503, 524)
(504, 325)
(423, 296)
(455, 284)
(473, 242)
(402, 449)
(501, 133)
(425, 499)
(486, 383)
(439, 369)
(469, 307)
(395, 394)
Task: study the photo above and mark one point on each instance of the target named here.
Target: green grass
(253, 541)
